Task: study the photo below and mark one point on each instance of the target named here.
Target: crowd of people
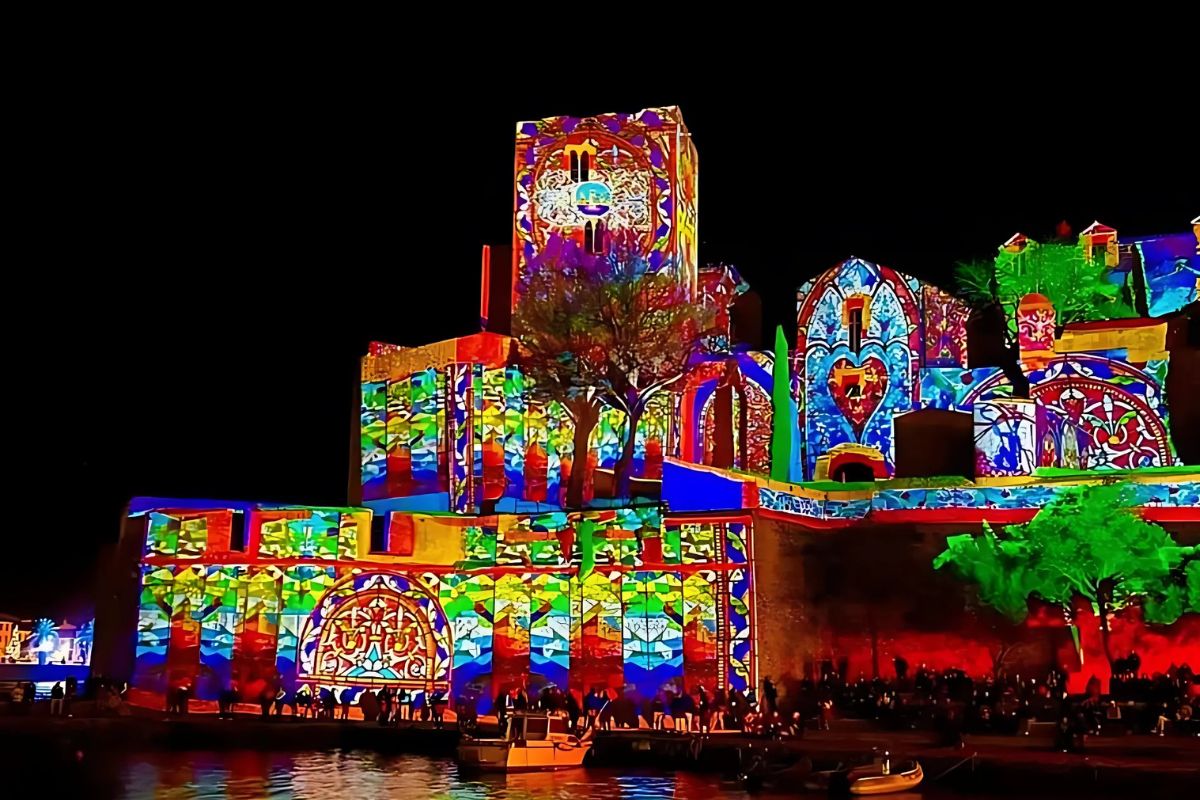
(955, 703)
(103, 696)
(948, 700)
(387, 706)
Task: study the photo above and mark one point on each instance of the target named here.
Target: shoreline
(1012, 764)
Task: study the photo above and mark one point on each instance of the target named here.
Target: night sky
(213, 252)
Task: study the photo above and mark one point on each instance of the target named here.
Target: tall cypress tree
(781, 416)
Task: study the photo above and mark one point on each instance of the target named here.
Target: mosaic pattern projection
(859, 330)
(619, 598)
(589, 178)
(727, 403)
(473, 433)
(1171, 268)
(1103, 413)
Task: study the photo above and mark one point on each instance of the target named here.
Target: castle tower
(593, 178)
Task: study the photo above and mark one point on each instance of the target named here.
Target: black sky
(211, 250)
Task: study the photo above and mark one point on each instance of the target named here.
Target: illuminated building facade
(458, 569)
(261, 595)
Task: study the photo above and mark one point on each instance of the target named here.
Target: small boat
(872, 779)
(531, 741)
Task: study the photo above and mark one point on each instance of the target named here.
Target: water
(360, 774)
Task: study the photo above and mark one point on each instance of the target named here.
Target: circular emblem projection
(388, 631)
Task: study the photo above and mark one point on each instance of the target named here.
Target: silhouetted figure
(770, 695)
(574, 712)
(437, 707)
(403, 711)
(592, 705)
(901, 669)
(72, 688)
(504, 707)
(383, 699)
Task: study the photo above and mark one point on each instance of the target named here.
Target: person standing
(223, 704)
(901, 670)
(384, 700)
(402, 711)
(346, 698)
(770, 695)
(437, 707)
(72, 689)
(592, 704)
(304, 699)
(574, 712)
(702, 708)
(656, 712)
(503, 708)
(56, 700)
(720, 709)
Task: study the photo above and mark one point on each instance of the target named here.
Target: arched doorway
(852, 472)
(377, 629)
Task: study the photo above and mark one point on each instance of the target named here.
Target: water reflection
(205, 776)
(336, 774)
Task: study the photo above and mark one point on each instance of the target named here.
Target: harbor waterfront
(205, 757)
(938, 536)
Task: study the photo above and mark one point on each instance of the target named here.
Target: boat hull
(888, 784)
(503, 756)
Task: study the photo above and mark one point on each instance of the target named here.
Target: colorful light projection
(617, 598)
(1005, 431)
(465, 432)
(588, 178)
(1100, 403)
(45, 642)
(1102, 413)
(720, 286)
(726, 411)
(1171, 270)
(865, 331)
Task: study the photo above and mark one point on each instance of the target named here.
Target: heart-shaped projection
(857, 390)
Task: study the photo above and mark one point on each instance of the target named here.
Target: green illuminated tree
(1076, 284)
(1087, 543)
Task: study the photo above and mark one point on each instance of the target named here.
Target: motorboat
(531, 741)
(879, 778)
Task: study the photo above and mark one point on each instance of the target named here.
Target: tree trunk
(998, 660)
(586, 416)
(1104, 631)
(1104, 594)
(623, 472)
